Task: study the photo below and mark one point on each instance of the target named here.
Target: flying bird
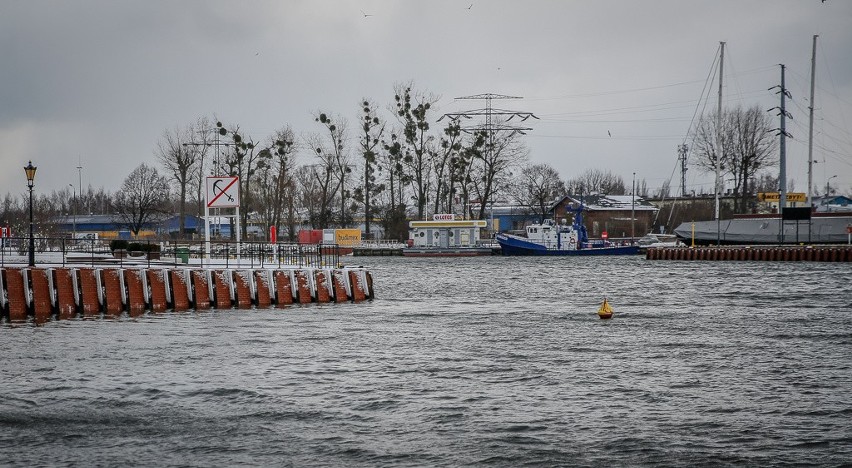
(607, 132)
(365, 15)
(472, 5)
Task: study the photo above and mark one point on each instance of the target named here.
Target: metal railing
(64, 251)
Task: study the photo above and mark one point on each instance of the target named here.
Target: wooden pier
(759, 253)
(68, 292)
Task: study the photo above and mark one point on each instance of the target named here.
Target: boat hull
(512, 245)
(766, 230)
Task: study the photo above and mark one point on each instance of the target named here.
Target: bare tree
(536, 188)
(747, 146)
(143, 198)
(316, 193)
(334, 155)
(462, 169)
(449, 151)
(276, 187)
(596, 181)
(180, 159)
(492, 168)
(243, 161)
(665, 190)
(394, 208)
(369, 142)
(413, 110)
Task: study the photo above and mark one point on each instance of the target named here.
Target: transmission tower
(496, 120)
(491, 126)
(682, 151)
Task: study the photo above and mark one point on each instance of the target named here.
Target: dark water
(458, 362)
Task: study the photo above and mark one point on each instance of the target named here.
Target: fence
(62, 251)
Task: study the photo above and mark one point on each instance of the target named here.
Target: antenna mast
(682, 151)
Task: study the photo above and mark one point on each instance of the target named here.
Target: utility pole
(490, 127)
(682, 151)
(782, 132)
(719, 144)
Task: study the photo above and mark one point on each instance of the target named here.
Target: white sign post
(222, 192)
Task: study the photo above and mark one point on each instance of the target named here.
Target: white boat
(549, 238)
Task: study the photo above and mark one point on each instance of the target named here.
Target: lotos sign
(443, 217)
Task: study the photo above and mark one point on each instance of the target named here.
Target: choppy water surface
(484, 361)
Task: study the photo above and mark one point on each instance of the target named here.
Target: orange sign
(776, 196)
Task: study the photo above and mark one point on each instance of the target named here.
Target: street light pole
(30, 171)
(828, 185)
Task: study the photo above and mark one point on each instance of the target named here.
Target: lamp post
(30, 170)
(828, 185)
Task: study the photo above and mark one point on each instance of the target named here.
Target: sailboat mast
(811, 128)
(719, 144)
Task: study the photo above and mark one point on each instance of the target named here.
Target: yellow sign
(347, 237)
(776, 196)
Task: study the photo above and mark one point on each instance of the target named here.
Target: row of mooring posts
(798, 253)
(69, 292)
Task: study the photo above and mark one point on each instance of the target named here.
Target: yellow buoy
(605, 311)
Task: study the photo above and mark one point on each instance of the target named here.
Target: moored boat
(554, 239)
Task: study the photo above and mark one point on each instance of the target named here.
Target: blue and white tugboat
(550, 238)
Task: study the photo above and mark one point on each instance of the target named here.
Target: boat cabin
(552, 236)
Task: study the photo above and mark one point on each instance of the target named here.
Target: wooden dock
(755, 253)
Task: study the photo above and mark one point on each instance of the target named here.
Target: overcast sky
(614, 82)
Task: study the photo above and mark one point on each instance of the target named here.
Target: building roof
(832, 203)
(602, 202)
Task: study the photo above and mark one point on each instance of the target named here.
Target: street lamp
(30, 170)
(828, 186)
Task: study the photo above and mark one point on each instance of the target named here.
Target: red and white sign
(223, 192)
(273, 235)
(443, 217)
(5, 232)
(604, 235)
